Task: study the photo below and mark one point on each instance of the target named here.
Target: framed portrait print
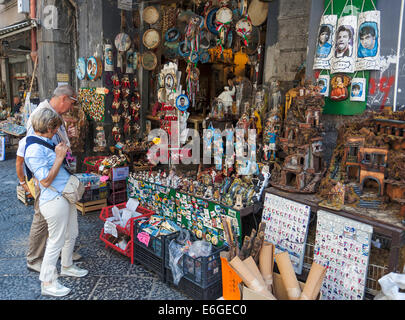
(358, 89)
(323, 84)
(108, 58)
(182, 102)
(169, 82)
(94, 68)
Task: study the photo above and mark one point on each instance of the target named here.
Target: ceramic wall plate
(224, 15)
(122, 42)
(150, 15)
(149, 60)
(172, 35)
(210, 21)
(204, 56)
(81, 68)
(182, 102)
(93, 68)
(151, 39)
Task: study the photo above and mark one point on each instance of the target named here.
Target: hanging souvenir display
(210, 19)
(368, 49)
(94, 68)
(244, 29)
(192, 38)
(92, 102)
(223, 21)
(257, 12)
(192, 82)
(358, 88)
(150, 15)
(343, 245)
(339, 84)
(81, 68)
(151, 39)
(325, 40)
(130, 61)
(122, 43)
(108, 57)
(323, 84)
(149, 60)
(100, 142)
(343, 58)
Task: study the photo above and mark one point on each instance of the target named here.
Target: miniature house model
(370, 160)
(301, 142)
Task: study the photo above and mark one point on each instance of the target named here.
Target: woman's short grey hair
(64, 90)
(45, 119)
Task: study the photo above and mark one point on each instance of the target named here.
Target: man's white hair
(64, 90)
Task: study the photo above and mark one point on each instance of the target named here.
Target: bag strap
(35, 140)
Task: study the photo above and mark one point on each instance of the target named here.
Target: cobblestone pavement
(111, 275)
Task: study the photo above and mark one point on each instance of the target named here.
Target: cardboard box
(119, 173)
(279, 290)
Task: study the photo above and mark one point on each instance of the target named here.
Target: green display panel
(200, 216)
(347, 107)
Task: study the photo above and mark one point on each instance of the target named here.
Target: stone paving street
(111, 275)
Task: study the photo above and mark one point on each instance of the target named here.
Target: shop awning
(17, 28)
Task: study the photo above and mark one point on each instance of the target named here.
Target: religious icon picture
(169, 82)
(182, 102)
(339, 84)
(358, 89)
(323, 84)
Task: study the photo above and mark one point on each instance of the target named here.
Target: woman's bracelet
(22, 182)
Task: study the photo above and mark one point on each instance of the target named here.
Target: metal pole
(401, 15)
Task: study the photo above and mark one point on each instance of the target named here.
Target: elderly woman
(45, 162)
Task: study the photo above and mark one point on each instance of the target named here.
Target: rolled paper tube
(288, 276)
(248, 278)
(251, 265)
(314, 282)
(266, 264)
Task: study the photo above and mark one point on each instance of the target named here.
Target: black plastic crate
(203, 271)
(193, 290)
(119, 185)
(152, 255)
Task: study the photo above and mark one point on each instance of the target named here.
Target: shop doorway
(371, 186)
(353, 173)
(291, 179)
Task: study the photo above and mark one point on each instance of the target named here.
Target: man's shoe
(55, 289)
(76, 256)
(73, 271)
(34, 266)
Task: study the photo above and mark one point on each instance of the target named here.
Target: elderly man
(63, 99)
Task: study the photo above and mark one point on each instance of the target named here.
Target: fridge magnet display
(108, 58)
(358, 89)
(343, 59)
(339, 84)
(343, 245)
(81, 68)
(323, 84)
(286, 227)
(182, 102)
(368, 50)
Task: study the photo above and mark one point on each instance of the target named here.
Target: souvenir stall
(214, 175)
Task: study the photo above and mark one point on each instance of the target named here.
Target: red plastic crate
(129, 249)
(106, 212)
(92, 163)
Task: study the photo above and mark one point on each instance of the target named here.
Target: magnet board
(287, 227)
(343, 245)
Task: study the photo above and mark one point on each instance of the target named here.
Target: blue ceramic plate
(81, 68)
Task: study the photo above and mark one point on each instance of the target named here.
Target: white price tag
(110, 228)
